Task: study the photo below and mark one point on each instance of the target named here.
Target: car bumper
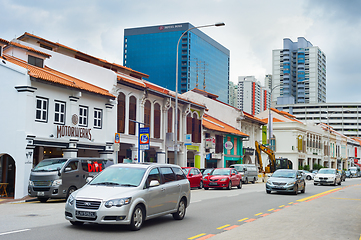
(219, 184)
(328, 182)
(270, 187)
(47, 192)
(103, 215)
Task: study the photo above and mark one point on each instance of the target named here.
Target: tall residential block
(252, 97)
(202, 62)
(233, 94)
(300, 71)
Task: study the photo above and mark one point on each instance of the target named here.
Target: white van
(249, 172)
(355, 171)
(59, 177)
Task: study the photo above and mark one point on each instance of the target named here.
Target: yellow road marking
(271, 209)
(242, 219)
(347, 198)
(258, 214)
(317, 195)
(290, 203)
(197, 236)
(224, 226)
(282, 206)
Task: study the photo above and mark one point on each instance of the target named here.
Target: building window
(132, 114)
(59, 112)
(170, 120)
(38, 62)
(147, 113)
(121, 113)
(83, 116)
(157, 120)
(41, 109)
(98, 115)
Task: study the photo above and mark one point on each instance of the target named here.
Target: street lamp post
(270, 120)
(176, 88)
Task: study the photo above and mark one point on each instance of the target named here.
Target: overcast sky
(253, 29)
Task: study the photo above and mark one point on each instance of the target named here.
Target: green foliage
(306, 167)
(317, 166)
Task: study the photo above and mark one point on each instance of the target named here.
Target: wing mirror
(154, 183)
(88, 179)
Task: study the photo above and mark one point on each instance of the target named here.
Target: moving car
(286, 180)
(194, 176)
(327, 176)
(130, 194)
(59, 177)
(308, 175)
(223, 178)
(355, 171)
(249, 172)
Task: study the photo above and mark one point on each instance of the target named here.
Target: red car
(194, 176)
(223, 177)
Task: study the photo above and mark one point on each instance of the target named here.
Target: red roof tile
(217, 125)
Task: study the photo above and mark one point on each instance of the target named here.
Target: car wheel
(254, 181)
(339, 182)
(43, 199)
(304, 188)
(335, 183)
(268, 191)
(200, 185)
(181, 211)
(70, 191)
(76, 223)
(239, 185)
(308, 177)
(315, 184)
(137, 219)
(229, 185)
(296, 190)
(206, 188)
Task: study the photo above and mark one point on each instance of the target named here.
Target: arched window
(132, 114)
(189, 123)
(196, 129)
(170, 119)
(156, 120)
(178, 127)
(121, 113)
(147, 113)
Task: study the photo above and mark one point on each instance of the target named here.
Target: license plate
(85, 214)
(40, 193)
(213, 184)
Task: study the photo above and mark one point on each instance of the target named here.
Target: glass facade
(203, 63)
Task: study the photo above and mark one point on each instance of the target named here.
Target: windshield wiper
(105, 183)
(128, 185)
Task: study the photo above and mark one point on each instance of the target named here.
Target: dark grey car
(286, 180)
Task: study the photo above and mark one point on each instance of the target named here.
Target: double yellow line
(318, 195)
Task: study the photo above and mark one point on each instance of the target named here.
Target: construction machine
(274, 164)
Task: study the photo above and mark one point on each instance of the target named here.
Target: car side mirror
(58, 169)
(191, 174)
(154, 183)
(268, 175)
(244, 169)
(233, 174)
(88, 179)
(208, 173)
(67, 169)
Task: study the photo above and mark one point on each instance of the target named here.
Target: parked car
(308, 175)
(355, 171)
(249, 172)
(130, 194)
(348, 174)
(194, 176)
(223, 178)
(286, 180)
(342, 174)
(205, 171)
(327, 176)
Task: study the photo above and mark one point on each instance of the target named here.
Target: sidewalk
(336, 215)
(10, 199)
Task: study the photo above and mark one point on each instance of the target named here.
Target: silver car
(130, 194)
(327, 176)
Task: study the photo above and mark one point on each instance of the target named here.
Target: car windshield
(284, 174)
(327, 171)
(185, 170)
(49, 165)
(206, 171)
(238, 168)
(220, 172)
(120, 176)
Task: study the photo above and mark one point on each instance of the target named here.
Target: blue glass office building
(203, 63)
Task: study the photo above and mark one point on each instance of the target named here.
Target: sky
(253, 29)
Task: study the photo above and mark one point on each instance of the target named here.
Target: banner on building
(264, 134)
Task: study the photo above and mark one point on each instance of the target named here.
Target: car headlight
(31, 183)
(269, 182)
(57, 182)
(117, 202)
(331, 178)
(291, 183)
(223, 179)
(70, 200)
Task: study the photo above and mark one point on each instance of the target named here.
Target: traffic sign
(117, 138)
(144, 136)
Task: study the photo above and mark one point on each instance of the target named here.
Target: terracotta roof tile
(54, 76)
(217, 125)
(4, 41)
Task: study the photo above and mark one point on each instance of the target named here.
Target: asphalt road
(210, 213)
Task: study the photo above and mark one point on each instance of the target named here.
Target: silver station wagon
(130, 194)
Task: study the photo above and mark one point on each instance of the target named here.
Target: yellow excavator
(274, 164)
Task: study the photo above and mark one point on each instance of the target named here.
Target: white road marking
(17, 231)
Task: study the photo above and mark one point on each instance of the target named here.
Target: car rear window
(168, 174)
(179, 173)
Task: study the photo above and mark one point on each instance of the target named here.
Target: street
(213, 212)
